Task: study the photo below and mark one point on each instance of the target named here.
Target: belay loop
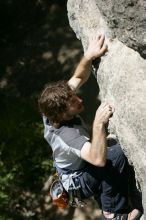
(74, 191)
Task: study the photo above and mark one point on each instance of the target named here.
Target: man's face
(75, 106)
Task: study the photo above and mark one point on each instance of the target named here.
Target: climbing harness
(74, 191)
(71, 197)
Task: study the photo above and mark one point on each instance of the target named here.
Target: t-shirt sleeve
(74, 139)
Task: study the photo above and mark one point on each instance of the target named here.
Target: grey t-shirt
(67, 142)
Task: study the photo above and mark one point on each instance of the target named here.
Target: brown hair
(53, 100)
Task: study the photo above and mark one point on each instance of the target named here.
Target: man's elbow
(100, 163)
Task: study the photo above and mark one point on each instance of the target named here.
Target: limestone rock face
(122, 71)
(127, 19)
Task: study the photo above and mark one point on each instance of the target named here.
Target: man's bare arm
(96, 49)
(96, 151)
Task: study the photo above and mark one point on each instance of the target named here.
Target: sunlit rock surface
(122, 71)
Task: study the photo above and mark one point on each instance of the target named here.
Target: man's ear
(63, 116)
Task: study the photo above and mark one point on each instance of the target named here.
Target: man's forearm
(81, 74)
(95, 50)
(98, 150)
(83, 69)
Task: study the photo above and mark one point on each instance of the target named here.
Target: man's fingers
(101, 40)
(102, 105)
(110, 108)
(107, 116)
(104, 112)
(107, 112)
(99, 36)
(92, 38)
(105, 107)
(104, 49)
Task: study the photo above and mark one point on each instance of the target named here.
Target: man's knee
(117, 157)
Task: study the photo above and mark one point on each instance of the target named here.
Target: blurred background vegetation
(37, 46)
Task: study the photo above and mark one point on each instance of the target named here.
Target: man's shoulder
(66, 132)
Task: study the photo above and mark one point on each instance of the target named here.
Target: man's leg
(135, 196)
(114, 196)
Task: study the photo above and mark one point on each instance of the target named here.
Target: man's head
(58, 102)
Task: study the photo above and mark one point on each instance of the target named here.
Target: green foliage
(29, 30)
(25, 159)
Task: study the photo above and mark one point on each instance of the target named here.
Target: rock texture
(127, 19)
(122, 71)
